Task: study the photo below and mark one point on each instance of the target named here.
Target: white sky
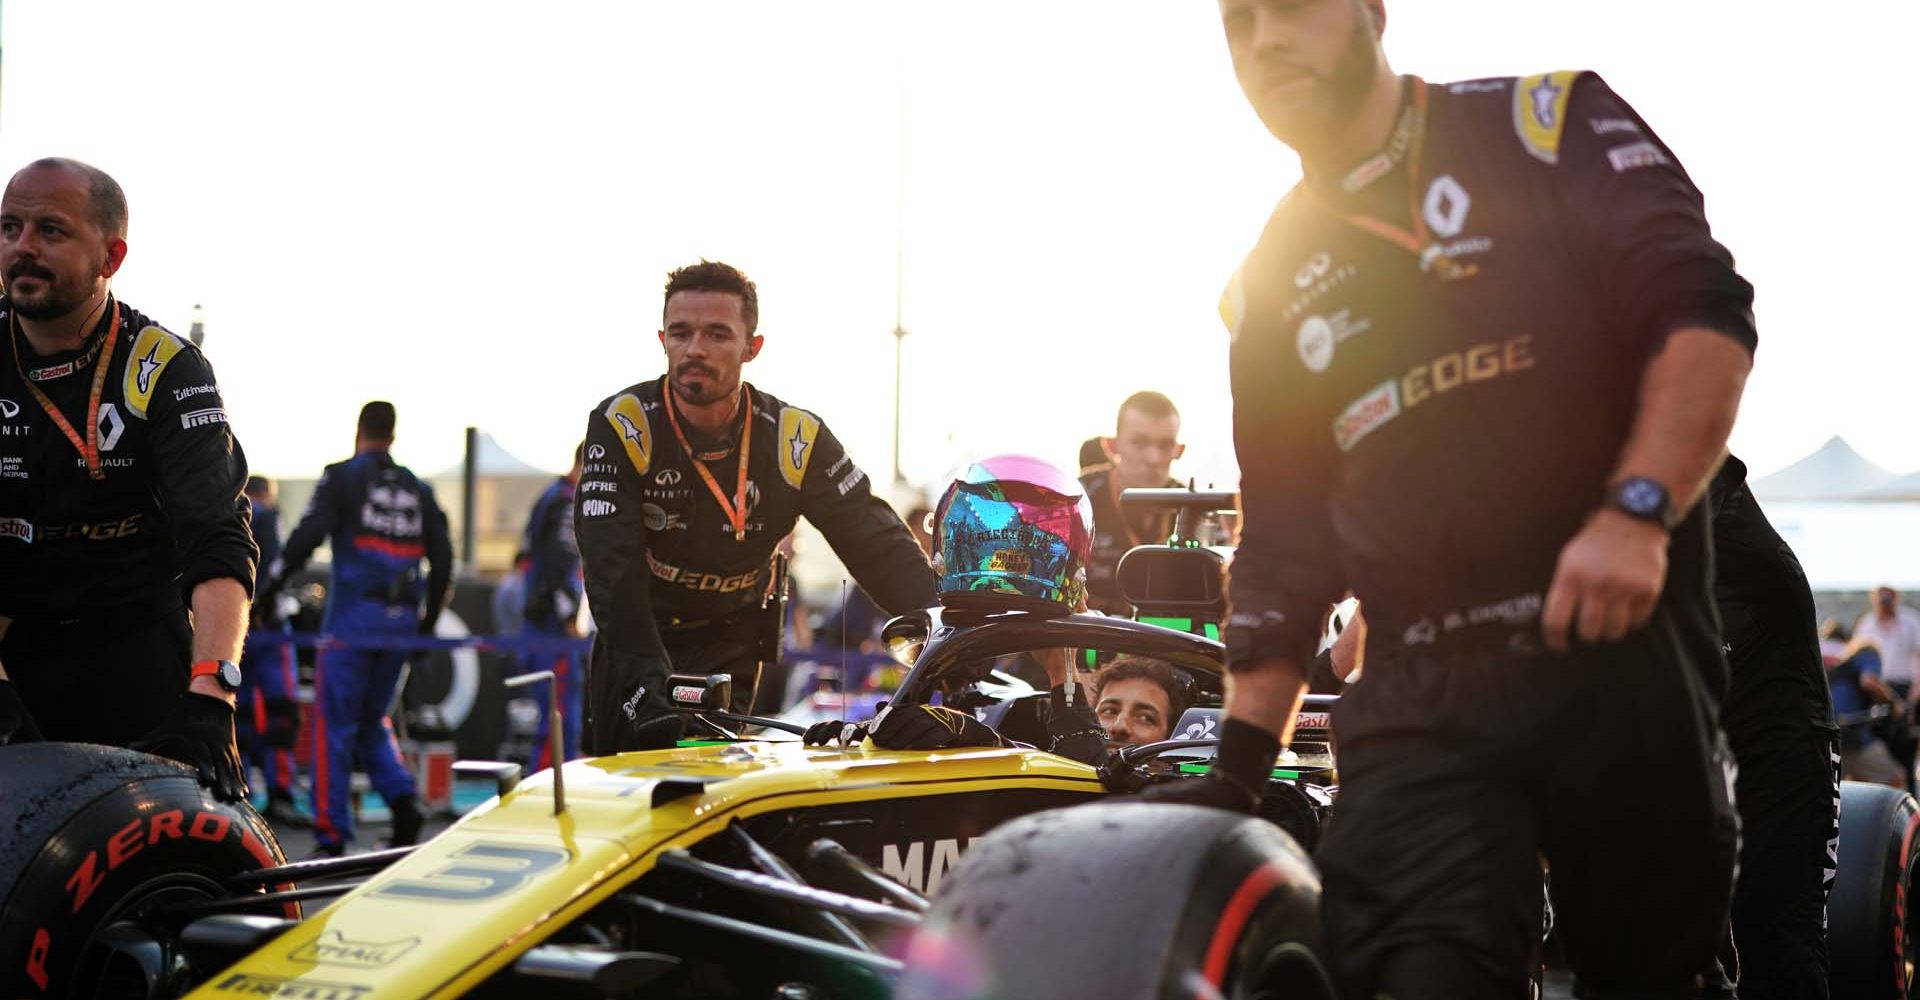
(469, 208)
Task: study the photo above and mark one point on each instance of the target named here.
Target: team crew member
(1145, 441)
(380, 520)
(269, 709)
(553, 590)
(691, 480)
(124, 536)
(1485, 359)
(1779, 721)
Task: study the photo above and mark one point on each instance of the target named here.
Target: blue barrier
(514, 645)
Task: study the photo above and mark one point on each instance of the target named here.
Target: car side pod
(1130, 900)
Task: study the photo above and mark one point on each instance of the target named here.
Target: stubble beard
(1316, 123)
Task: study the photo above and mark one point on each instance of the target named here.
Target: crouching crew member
(123, 534)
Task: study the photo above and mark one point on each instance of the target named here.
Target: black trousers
(1789, 795)
(627, 703)
(1460, 774)
(101, 678)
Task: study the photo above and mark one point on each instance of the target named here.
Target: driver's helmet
(1013, 532)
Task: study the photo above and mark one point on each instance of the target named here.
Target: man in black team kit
(691, 479)
(1485, 358)
(1146, 440)
(125, 560)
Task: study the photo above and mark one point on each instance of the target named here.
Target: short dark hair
(104, 198)
(713, 276)
(257, 486)
(376, 420)
(1149, 404)
(1130, 667)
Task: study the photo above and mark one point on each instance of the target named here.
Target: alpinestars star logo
(148, 365)
(1545, 94)
(799, 446)
(627, 429)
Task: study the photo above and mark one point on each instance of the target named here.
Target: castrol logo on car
(16, 528)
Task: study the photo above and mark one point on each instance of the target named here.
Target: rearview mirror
(700, 692)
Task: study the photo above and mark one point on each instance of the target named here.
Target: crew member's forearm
(1267, 694)
(219, 628)
(1688, 401)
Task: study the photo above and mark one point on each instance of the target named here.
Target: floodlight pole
(899, 288)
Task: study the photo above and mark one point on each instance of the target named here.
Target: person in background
(1894, 629)
(267, 718)
(1853, 678)
(1145, 441)
(510, 596)
(553, 593)
(380, 520)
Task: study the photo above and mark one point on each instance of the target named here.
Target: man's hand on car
(16, 723)
(199, 734)
(1607, 582)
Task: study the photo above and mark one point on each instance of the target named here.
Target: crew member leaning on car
(690, 482)
(124, 538)
(1485, 359)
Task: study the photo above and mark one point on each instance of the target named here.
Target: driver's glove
(1073, 731)
(931, 727)
(16, 723)
(822, 734)
(199, 734)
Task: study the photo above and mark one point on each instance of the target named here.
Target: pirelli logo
(250, 984)
(202, 418)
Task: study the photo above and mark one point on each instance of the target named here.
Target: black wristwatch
(1643, 499)
(226, 672)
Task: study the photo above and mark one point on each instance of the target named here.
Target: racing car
(754, 866)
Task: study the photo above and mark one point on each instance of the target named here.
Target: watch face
(1641, 496)
(229, 674)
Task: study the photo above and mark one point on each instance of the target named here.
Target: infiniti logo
(9, 409)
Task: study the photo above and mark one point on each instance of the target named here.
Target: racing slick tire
(92, 835)
(1124, 900)
(1868, 934)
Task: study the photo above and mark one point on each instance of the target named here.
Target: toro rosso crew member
(1145, 441)
(1779, 722)
(553, 592)
(380, 520)
(691, 480)
(1012, 533)
(1484, 362)
(128, 564)
(269, 709)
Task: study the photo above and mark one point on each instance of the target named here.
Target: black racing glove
(931, 727)
(283, 723)
(822, 734)
(16, 723)
(199, 734)
(1073, 731)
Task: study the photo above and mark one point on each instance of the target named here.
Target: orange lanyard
(89, 446)
(1417, 241)
(737, 510)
